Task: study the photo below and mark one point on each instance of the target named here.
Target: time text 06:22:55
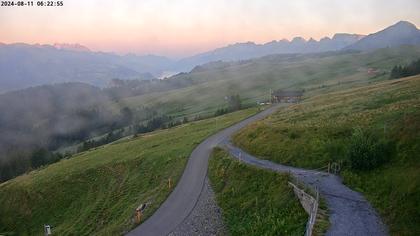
(32, 3)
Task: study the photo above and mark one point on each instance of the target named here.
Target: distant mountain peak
(249, 43)
(401, 33)
(311, 40)
(71, 47)
(271, 42)
(325, 39)
(298, 40)
(401, 27)
(404, 23)
(341, 36)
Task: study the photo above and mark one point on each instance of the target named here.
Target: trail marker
(47, 230)
(139, 212)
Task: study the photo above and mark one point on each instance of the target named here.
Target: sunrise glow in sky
(183, 27)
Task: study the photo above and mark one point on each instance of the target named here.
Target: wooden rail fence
(310, 204)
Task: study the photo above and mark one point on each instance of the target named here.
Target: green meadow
(97, 191)
(254, 201)
(323, 129)
(253, 79)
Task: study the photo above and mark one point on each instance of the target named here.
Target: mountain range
(243, 51)
(24, 65)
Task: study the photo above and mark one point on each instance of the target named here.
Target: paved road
(349, 212)
(183, 199)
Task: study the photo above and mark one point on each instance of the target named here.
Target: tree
(221, 111)
(234, 102)
(39, 157)
(127, 116)
(396, 72)
(403, 71)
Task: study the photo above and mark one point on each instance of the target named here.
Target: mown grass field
(96, 192)
(318, 130)
(253, 79)
(254, 201)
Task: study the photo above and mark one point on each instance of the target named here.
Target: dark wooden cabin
(286, 96)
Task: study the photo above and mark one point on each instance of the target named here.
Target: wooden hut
(286, 96)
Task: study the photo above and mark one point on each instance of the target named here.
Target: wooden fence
(310, 204)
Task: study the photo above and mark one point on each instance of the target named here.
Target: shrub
(221, 111)
(367, 152)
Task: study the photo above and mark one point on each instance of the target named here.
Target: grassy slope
(253, 79)
(96, 192)
(254, 201)
(317, 131)
(105, 182)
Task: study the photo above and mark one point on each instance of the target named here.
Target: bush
(367, 152)
(221, 111)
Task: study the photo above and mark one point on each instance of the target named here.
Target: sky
(178, 28)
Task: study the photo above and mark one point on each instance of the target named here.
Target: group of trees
(34, 153)
(403, 71)
(233, 104)
(110, 137)
(66, 115)
(153, 124)
(19, 161)
(158, 122)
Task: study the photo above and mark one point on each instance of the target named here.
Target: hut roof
(288, 93)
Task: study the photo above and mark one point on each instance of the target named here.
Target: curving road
(183, 198)
(349, 212)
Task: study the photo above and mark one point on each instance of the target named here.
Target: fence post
(313, 210)
(317, 194)
(169, 183)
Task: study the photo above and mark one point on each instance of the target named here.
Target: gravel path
(349, 212)
(205, 219)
